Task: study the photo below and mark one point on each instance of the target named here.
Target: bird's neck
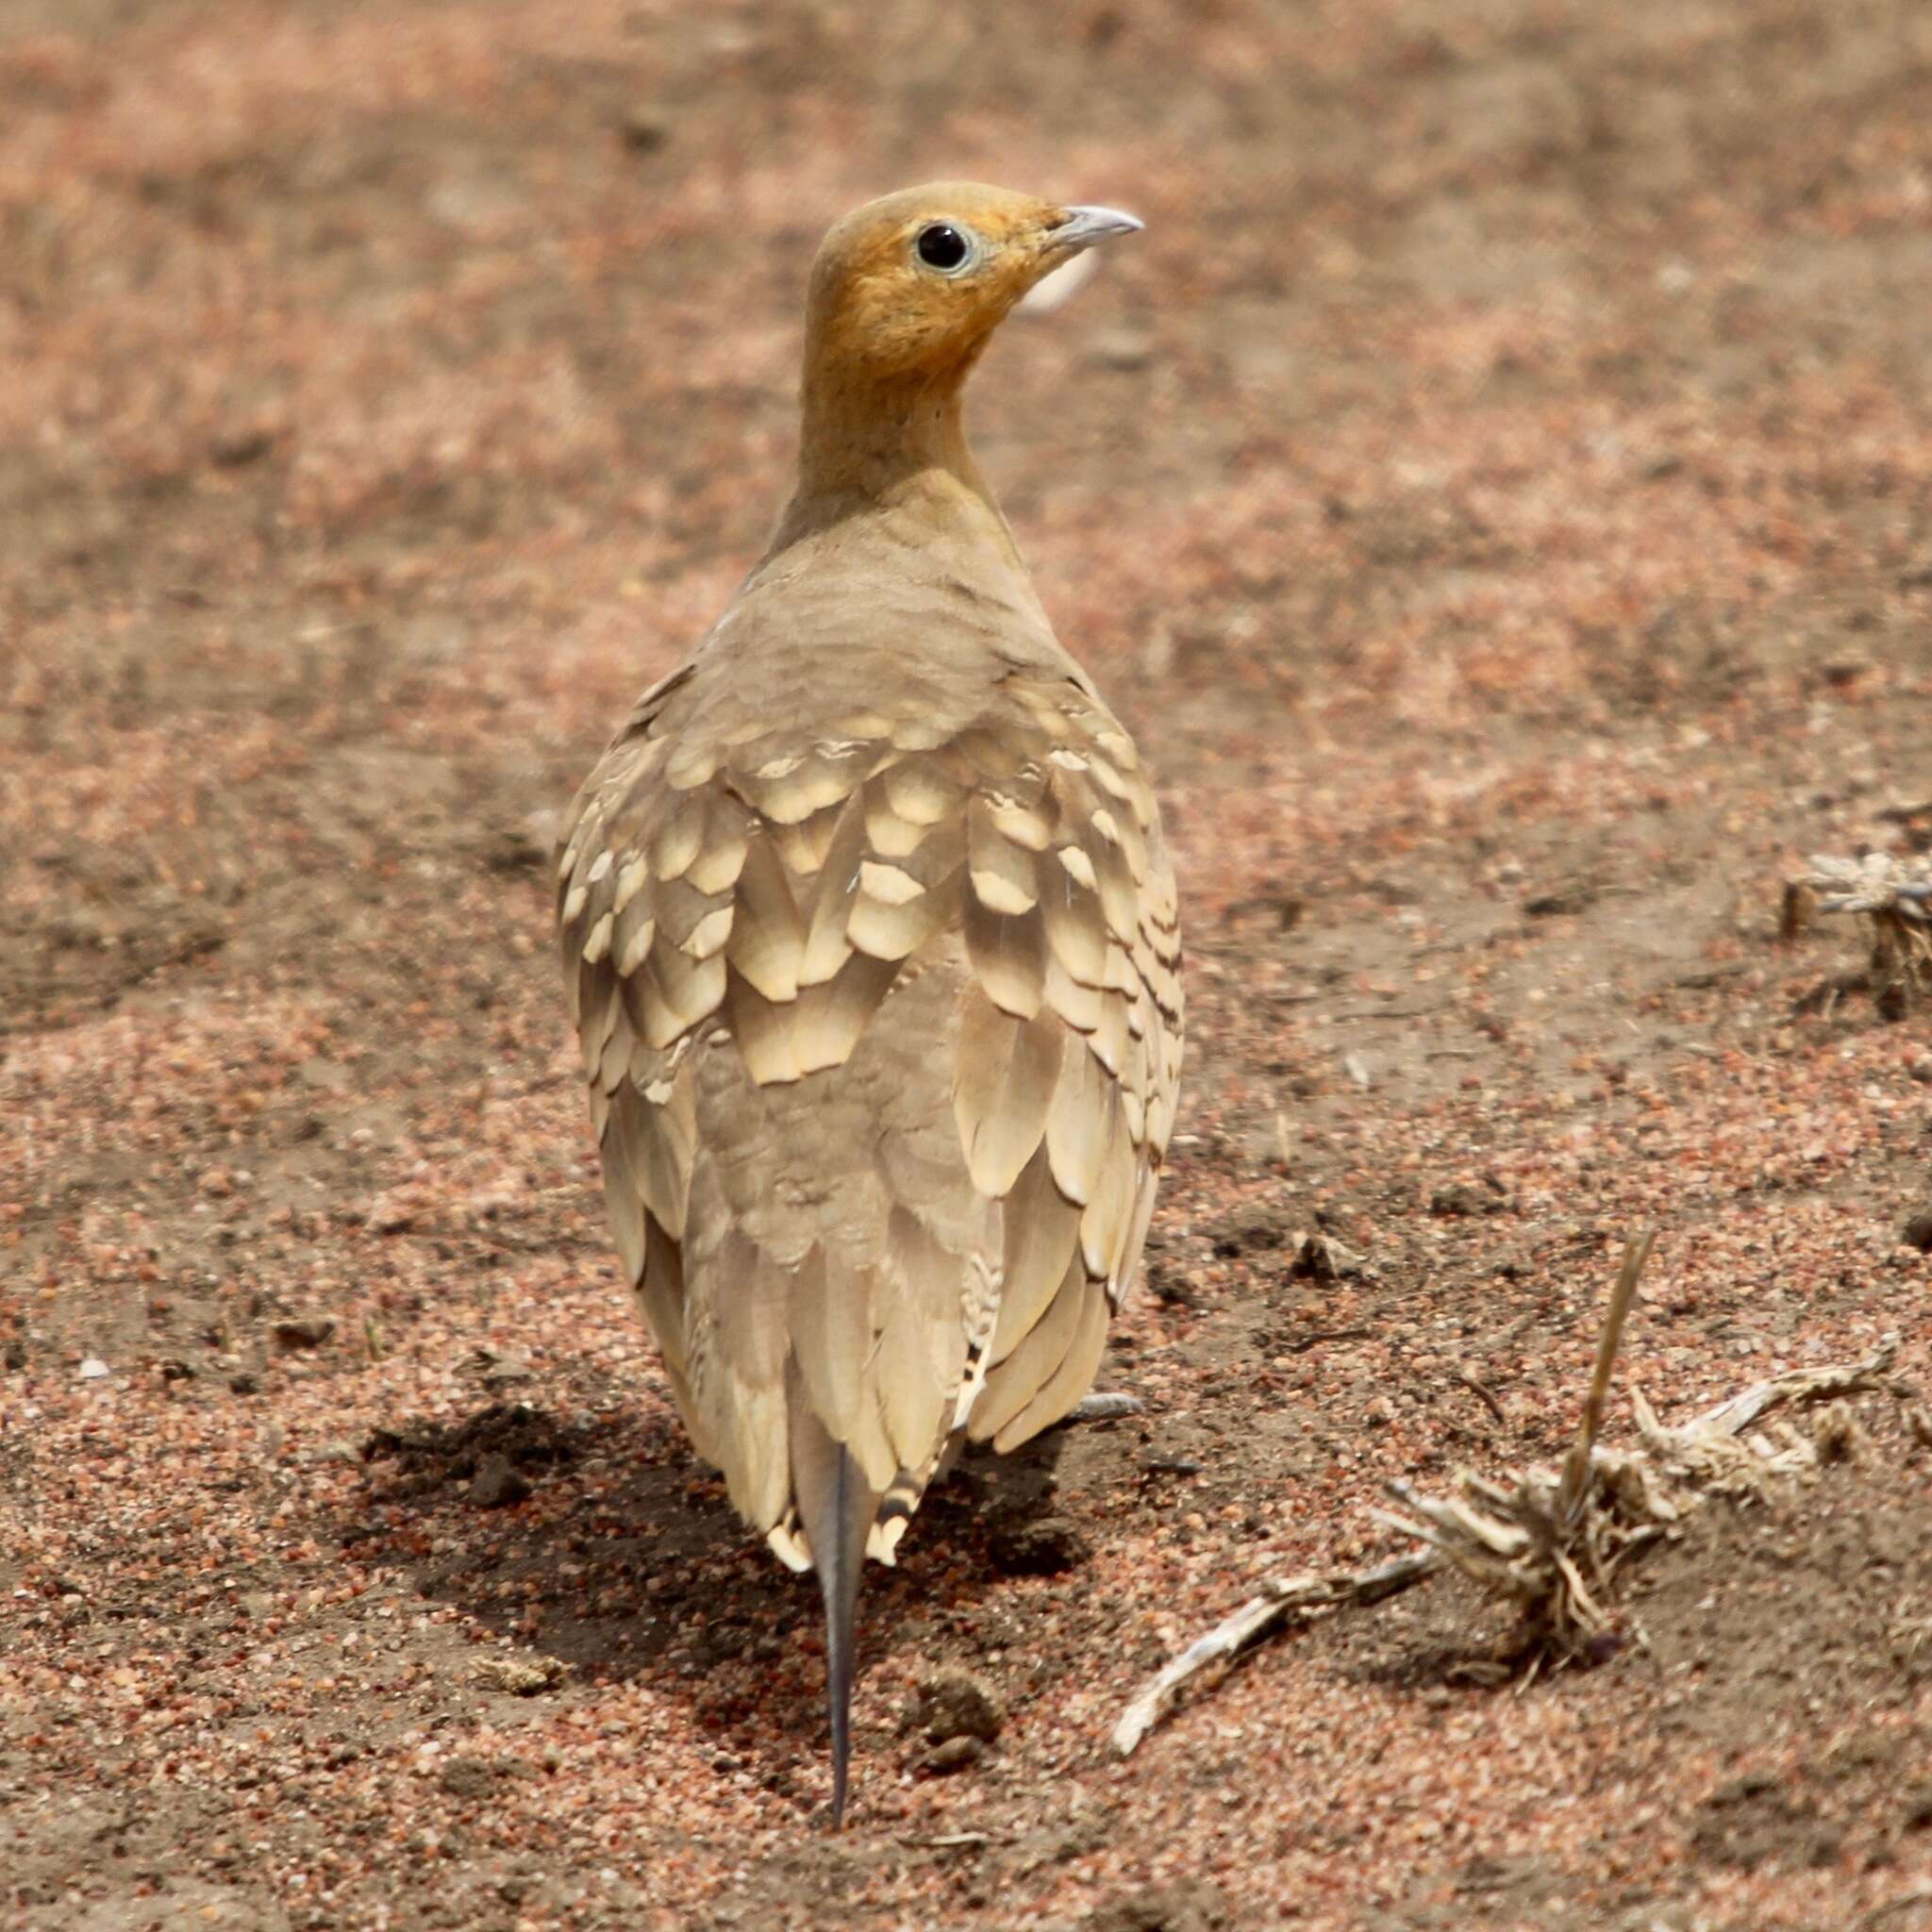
(894, 446)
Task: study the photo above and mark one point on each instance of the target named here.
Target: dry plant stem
(1733, 1417)
(1919, 1895)
(1302, 1597)
(1535, 1537)
(1577, 1469)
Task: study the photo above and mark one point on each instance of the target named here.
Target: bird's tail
(836, 1506)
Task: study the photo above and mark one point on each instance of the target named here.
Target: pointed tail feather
(837, 1507)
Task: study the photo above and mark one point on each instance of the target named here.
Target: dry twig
(1299, 1597)
(1712, 1454)
(1919, 1895)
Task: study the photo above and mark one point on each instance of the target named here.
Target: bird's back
(871, 934)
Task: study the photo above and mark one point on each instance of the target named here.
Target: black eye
(942, 247)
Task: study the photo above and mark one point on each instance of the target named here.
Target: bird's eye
(942, 247)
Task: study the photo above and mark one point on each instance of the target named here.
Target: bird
(869, 936)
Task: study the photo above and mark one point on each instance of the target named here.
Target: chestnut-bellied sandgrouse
(869, 936)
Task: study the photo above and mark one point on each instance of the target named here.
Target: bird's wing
(882, 1026)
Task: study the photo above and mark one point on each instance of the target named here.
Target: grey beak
(1084, 227)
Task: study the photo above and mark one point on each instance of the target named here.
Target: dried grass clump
(1895, 896)
(1550, 1541)
(1535, 1537)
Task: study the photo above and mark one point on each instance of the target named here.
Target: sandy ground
(1497, 490)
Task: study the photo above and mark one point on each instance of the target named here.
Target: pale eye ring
(946, 246)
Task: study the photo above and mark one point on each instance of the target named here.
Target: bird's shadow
(605, 1545)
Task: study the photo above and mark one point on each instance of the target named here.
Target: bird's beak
(1079, 228)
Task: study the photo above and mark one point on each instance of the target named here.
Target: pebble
(1321, 1257)
(1123, 348)
(469, 1778)
(644, 130)
(498, 1482)
(520, 1677)
(956, 1704)
(301, 1331)
(956, 1754)
(1106, 1408)
(1045, 1548)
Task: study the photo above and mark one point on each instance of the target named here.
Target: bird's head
(910, 288)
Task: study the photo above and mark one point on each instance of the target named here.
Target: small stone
(1921, 1070)
(1458, 1198)
(644, 130)
(229, 449)
(92, 1369)
(1107, 1407)
(301, 1331)
(514, 848)
(244, 1383)
(956, 1754)
(1573, 896)
(1918, 1231)
(955, 1704)
(1187, 1905)
(1738, 1790)
(1252, 1230)
(498, 1482)
(1321, 1257)
(1123, 348)
(468, 1777)
(1045, 1548)
(520, 1677)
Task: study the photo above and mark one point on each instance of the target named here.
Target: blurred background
(1496, 489)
